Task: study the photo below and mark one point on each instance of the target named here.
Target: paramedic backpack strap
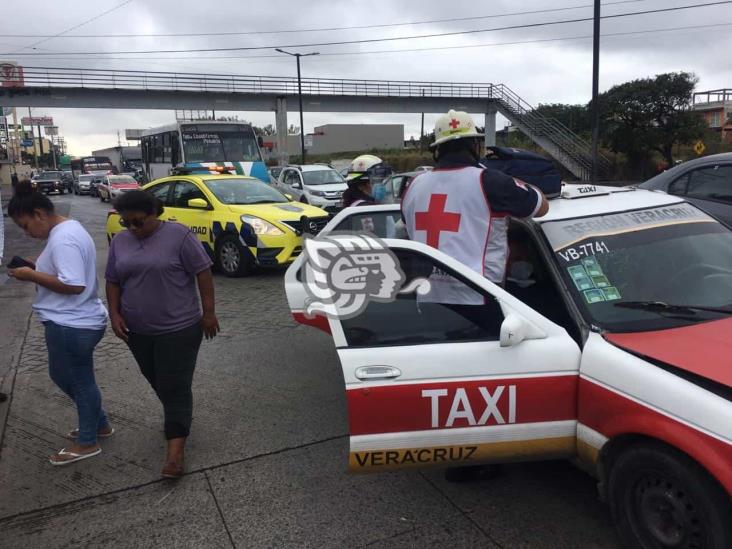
(533, 168)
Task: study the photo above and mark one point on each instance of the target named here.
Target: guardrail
(144, 80)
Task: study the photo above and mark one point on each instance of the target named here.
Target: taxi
(240, 221)
(609, 345)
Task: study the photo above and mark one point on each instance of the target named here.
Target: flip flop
(72, 435)
(74, 457)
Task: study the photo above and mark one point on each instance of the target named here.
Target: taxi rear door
(429, 383)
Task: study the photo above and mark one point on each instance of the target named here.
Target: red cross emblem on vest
(436, 220)
(454, 123)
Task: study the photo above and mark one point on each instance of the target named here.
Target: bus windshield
(219, 143)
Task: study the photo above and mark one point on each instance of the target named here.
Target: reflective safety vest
(448, 210)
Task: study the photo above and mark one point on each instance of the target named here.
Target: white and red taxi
(611, 345)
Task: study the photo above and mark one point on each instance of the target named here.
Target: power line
(416, 50)
(58, 35)
(390, 39)
(323, 29)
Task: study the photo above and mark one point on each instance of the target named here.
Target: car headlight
(261, 226)
(318, 193)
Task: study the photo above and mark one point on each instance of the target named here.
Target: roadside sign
(11, 75)
(37, 121)
(699, 148)
(51, 130)
(27, 142)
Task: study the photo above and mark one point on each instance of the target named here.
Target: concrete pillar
(283, 156)
(490, 127)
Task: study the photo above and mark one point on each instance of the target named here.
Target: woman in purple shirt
(152, 272)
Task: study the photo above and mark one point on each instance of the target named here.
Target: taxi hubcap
(230, 257)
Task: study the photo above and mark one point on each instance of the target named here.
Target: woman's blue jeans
(71, 366)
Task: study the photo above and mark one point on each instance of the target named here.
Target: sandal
(73, 435)
(67, 456)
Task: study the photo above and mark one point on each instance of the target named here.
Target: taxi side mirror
(289, 197)
(198, 203)
(514, 330)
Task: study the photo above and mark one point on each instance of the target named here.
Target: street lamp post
(299, 95)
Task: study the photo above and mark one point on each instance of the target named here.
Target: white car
(315, 184)
(610, 346)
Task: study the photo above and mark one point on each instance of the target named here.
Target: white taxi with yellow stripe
(240, 221)
(609, 344)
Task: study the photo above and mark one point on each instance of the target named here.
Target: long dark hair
(27, 200)
(139, 201)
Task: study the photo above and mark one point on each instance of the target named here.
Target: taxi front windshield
(647, 269)
(240, 190)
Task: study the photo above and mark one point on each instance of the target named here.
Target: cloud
(547, 72)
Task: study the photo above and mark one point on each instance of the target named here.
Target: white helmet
(361, 164)
(454, 125)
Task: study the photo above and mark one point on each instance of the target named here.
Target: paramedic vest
(448, 210)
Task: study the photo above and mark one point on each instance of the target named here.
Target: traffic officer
(462, 208)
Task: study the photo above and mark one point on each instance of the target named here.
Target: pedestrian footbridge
(114, 89)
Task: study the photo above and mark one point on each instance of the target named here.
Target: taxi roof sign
(574, 191)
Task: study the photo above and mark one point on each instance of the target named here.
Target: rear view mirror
(289, 197)
(513, 330)
(198, 203)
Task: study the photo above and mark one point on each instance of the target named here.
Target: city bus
(202, 144)
(95, 165)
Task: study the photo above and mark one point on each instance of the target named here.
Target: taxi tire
(227, 244)
(671, 488)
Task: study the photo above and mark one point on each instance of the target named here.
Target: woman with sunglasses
(67, 303)
(152, 274)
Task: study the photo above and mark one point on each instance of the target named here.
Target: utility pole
(595, 91)
(299, 96)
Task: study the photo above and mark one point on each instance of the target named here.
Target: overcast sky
(540, 72)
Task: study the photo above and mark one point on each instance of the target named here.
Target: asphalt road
(267, 455)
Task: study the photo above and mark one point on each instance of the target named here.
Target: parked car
(50, 181)
(111, 186)
(705, 182)
(608, 345)
(315, 184)
(86, 183)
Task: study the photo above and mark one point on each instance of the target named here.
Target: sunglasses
(136, 223)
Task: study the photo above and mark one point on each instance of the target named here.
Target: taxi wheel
(660, 498)
(233, 259)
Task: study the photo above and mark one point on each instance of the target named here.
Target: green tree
(575, 117)
(650, 115)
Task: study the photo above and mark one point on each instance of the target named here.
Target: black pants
(167, 361)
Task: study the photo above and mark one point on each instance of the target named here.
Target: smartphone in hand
(18, 262)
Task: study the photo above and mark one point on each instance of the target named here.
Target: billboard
(51, 130)
(37, 121)
(11, 75)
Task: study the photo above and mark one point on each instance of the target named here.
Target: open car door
(439, 383)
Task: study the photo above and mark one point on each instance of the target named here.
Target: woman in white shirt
(68, 305)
